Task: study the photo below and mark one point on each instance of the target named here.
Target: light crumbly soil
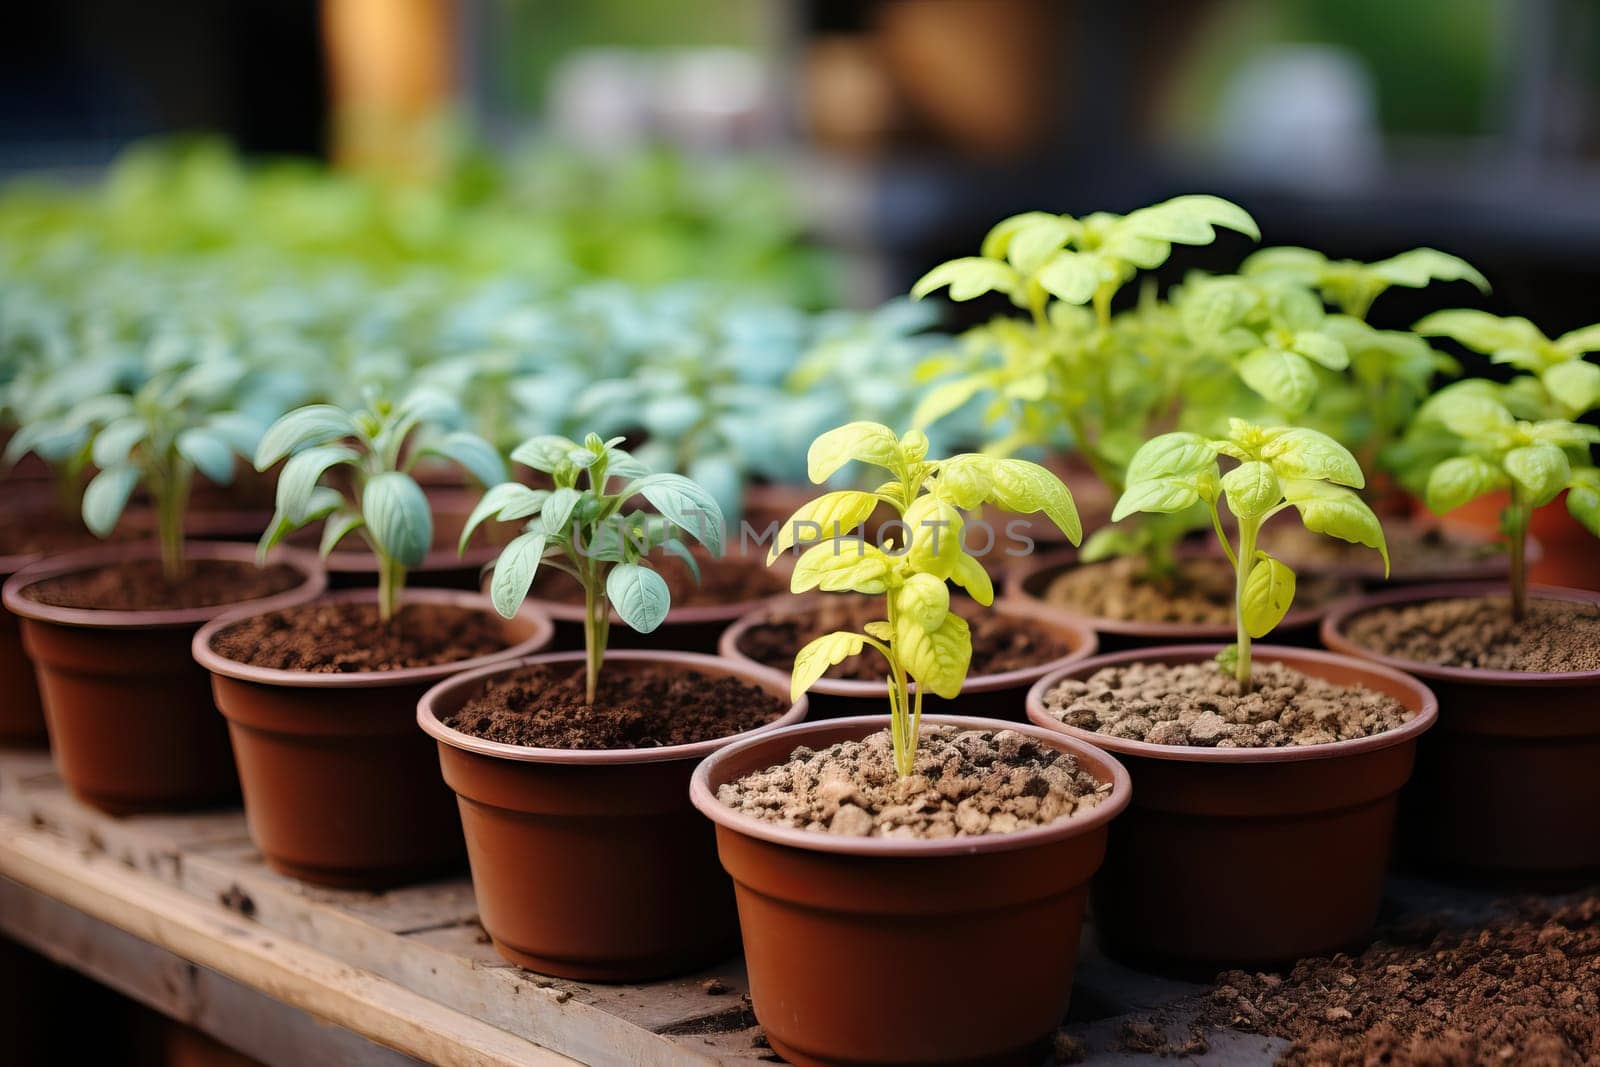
(1197, 704)
(1556, 635)
(1200, 593)
(1413, 552)
(1523, 989)
(967, 782)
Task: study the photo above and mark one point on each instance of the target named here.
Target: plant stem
(596, 629)
(172, 499)
(1248, 531)
(901, 727)
(1516, 530)
(391, 583)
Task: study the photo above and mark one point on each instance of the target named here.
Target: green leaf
(1481, 331)
(1071, 276)
(316, 424)
(1341, 513)
(868, 442)
(997, 242)
(398, 518)
(1252, 489)
(1295, 452)
(543, 453)
(1160, 495)
(687, 505)
(1583, 499)
(968, 278)
(1574, 385)
(301, 474)
(1461, 479)
(475, 455)
(849, 564)
(1109, 542)
(1470, 415)
(1416, 268)
(1268, 592)
(338, 526)
(208, 453)
(813, 661)
(1036, 238)
(938, 659)
(1541, 470)
(1320, 348)
(105, 497)
(116, 442)
(1283, 379)
(1192, 219)
(944, 398)
(934, 528)
(1023, 488)
(925, 599)
(879, 629)
(640, 596)
(1577, 342)
(832, 514)
(970, 575)
(1171, 455)
(555, 514)
(514, 569)
(508, 502)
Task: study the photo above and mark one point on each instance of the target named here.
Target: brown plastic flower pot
(984, 696)
(21, 713)
(1507, 786)
(1249, 856)
(872, 950)
(1028, 579)
(592, 864)
(1568, 558)
(340, 787)
(132, 725)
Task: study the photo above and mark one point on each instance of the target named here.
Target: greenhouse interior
(831, 532)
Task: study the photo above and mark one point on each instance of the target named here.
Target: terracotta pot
(1029, 578)
(353, 566)
(21, 713)
(888, 950)
(1367, 568)
(989, 696)
(1249, 856)
(1569, 557)
(592, 864)
(1506, 786)
(340, 787)
(131, 721)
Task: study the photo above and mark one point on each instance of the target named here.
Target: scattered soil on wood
(1556, 635)
(340, 638)
(999, 643)
(1523, 989)
(140, 585)
(639, 705)
(967, 782)
(1200, 593)
(1414, 552)
(1198, 704)
(735, 579)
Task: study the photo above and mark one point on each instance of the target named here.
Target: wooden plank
(212, 937)
(240, 1017)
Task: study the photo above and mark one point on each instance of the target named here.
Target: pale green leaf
(848, 564)
(315, 424)
(1252, 489)
(968, 278)
(398, 517)
(1541, 470)
(829, 516)
(640, 596)
(514, 570)
(1171, 455)
(868, 442)
(813, 661)
(1159, 495)
(105, 497)
(925, 599)
(1283, 379)
(1461, 479)
(937, 659)
(970, 575)
(1268, 592)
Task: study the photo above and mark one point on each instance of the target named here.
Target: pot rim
(766, 678)
(217, 663)
(313, 581)
(1087, 644)
(1044, 562)
(1423, 719)
(688, 615)
(1344, 610)
(704, 797)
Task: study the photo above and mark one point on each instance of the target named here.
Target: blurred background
(889, 133)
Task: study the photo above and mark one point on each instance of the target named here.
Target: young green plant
(1278, 467)
(367, 456)
(581, 529)
(923, 640)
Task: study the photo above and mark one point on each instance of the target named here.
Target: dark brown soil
(1556, 635)
(731, 580)
(1198, 704)
(967, 782)
(638, 706)
(339, 638)
(139, 585)
(1200, 593)
(999, 643)
(1524, 989)
(1413, 551)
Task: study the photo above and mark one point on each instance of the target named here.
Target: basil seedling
(581, 529)
(1279, 467)
(922, 639)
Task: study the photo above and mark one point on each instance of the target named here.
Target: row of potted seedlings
(1228, 803)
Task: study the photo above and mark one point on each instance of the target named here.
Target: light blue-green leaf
(475, 455)
(640, 596)
(687, 505)
(209, 453)
(339, 524)
(398, 517)
(105, 497)
(114, 444)
(316, 424)
(301, 474)
(514, 569)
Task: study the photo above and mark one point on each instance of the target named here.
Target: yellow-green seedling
(351, 471)
(921, 638)
(1571, 384)
(1276, 468)
(581, 529)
